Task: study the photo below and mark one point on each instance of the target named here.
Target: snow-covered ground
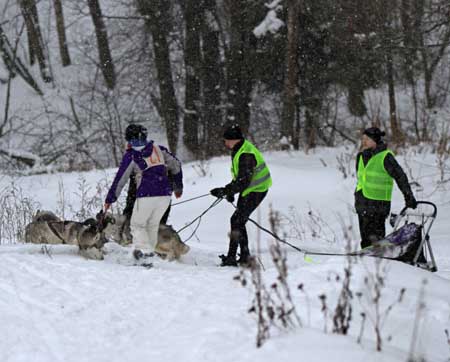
(66, 308)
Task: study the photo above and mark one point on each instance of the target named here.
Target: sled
(409, 241)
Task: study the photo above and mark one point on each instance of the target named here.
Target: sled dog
(45, 216)
(169, 244)
(46, 228)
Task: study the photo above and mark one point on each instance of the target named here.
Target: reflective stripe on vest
(261, 179)
(373, 179)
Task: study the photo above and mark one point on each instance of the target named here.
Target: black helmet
(135, 132)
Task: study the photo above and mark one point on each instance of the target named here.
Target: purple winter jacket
(151, 164)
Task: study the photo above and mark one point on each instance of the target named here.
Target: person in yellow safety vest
(377, 169)
(252, 180)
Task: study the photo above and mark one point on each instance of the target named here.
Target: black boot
(138, 254)
(244, 259)
(243, 246)
(228, 260)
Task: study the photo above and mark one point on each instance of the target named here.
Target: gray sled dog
(169, 244)
(47, 228)
(45, 216)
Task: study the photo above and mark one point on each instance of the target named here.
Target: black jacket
(247, 164)
(367, 206)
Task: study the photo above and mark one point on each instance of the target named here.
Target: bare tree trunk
(430, 64)
(212, 81)
(240, 64)
(35, 40)
(395, 129)
(387, 11)
(62, 40)
(296, 134)
(428, 77)
(312, 112)
(158, 26)
(8, 88)
(291, 71)
(411, 14)
(432, 55)
(30, 36)
(192, 57)
(410, 28)
(104, 52)
(14, 64)
(356, 103)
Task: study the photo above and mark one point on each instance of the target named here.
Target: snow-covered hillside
(66, 308)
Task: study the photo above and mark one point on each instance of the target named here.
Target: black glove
(230, 198)
(218, 192)
(411, 202)
(229, 194)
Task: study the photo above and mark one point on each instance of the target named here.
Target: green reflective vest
(373, 179)
(261, 179)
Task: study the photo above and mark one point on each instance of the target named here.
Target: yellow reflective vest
(261, 179)
(373, 179)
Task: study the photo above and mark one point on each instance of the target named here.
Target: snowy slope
(65, 308)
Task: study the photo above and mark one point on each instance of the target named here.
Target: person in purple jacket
(151, 164)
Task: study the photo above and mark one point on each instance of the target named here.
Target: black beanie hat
(375, 133)
(233, 133)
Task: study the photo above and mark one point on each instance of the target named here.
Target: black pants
(372, 228)
(238, 237)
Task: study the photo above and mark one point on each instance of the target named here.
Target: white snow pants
(147, 214)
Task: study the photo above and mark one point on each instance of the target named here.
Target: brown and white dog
(47, 228)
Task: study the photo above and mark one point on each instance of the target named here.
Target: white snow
(271, 23)
(65, 308)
